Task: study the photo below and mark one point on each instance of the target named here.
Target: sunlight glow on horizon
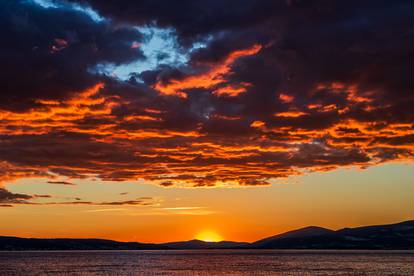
(209, 236)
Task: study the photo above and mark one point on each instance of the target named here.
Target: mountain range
(392, 236)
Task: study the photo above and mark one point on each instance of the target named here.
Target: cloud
(42, 196)
(61, 183)
(9, 199)
(10, 172)
(201, 17)
(58, 47)
(189, 210)
(269, 89)
(106, 210)
(144, 201)
(210, 79)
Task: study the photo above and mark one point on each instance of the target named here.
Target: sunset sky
(163, 120)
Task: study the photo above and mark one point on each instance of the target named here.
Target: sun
(208, 236)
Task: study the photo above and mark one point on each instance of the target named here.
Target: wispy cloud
(189, 210)
(105, 210)
(182, 208)
(10, 199)
(62, 183)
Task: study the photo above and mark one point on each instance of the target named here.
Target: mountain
(14, 244)
(391, 236)
(310, 231)
(197, 244)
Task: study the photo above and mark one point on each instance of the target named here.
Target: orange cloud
(210, 79)
(229, 91)
(96, 134)
(285, 98)
(290, 114)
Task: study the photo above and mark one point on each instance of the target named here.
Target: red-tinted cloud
(272, 98)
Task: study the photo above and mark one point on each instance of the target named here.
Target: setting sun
(209, 236)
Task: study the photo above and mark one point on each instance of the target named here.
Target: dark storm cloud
(192, 19)
(46, 53)
(280, 87)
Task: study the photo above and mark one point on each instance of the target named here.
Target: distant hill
(14, 244)
(197, 244)
(391, 236)
(310, 231)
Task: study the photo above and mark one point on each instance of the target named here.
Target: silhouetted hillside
(13, 243)
(197, 244)
(310, 231)
(392, 236)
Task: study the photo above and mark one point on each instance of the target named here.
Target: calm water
(208, 262)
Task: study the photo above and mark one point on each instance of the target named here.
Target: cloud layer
(278, 88)
(9, 199)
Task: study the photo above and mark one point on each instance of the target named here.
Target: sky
(236, 120)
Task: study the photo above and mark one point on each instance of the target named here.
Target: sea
(208, 262)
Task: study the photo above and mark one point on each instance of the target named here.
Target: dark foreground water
(208, 262)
